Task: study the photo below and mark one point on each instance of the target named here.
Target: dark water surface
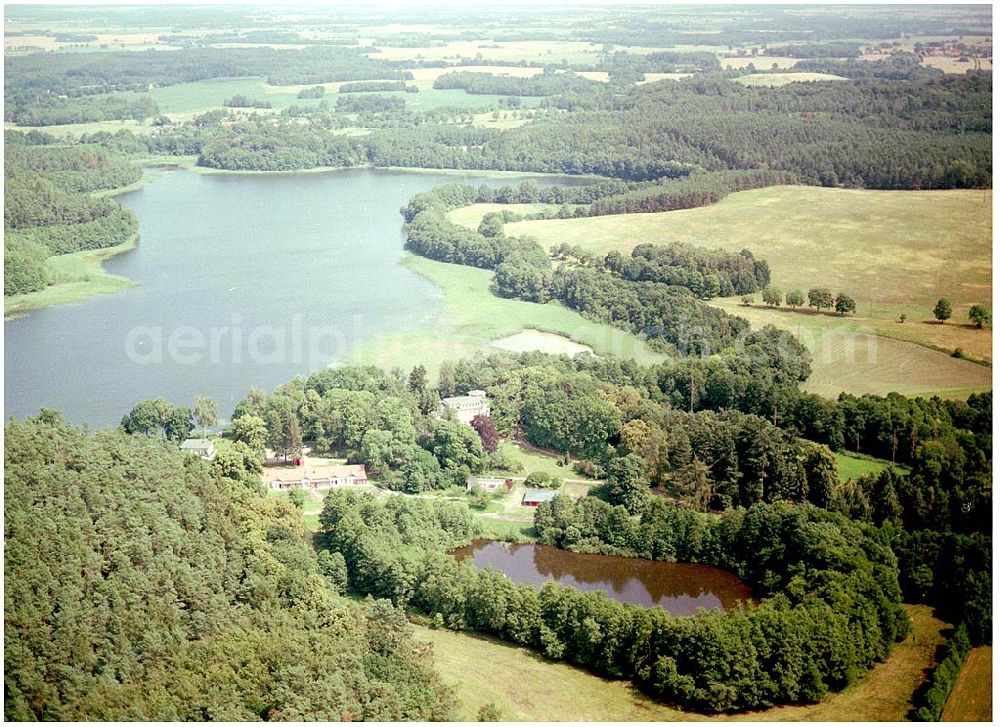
(680, 588)
(258, 278)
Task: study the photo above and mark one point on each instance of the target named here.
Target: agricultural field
(971, 699)
(761, 63)
(527, 687)
(894, 252)
(867, 356)
(774, 80)
(654, 77)
(532, 51)
(472, 317)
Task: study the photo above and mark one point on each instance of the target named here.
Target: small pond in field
(680, 588)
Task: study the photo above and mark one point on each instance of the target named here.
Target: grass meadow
(77, 276)
(471, 317)
(894, 252)
(852, 466)
(527, 687)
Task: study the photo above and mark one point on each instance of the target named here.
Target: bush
(542, 480)
(930, 704)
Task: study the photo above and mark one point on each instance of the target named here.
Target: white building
(467, 408)
(199, 447)
(316, 478)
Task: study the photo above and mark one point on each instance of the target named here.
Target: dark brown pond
(680, 588)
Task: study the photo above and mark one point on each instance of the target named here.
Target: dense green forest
(144, 585)
(47, 211)
(883, 130)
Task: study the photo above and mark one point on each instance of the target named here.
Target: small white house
(199, 447)
(467, 408)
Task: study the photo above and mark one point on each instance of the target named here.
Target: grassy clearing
(537, 462)
(773, 80)
(894, 252)
(972, 698)
(472, 317)
(532, 340)
(527, 687)
(852, 466)
(80, 275)
(472, 215)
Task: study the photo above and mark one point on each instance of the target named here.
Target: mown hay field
(527, 687)
(972, 698)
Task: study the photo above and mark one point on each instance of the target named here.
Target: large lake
(680, 588)
(245, 280)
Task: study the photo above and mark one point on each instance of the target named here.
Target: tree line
(547, 83)
(666, 314)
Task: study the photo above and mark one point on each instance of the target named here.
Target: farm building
(467, 408)
(199, 447)
(317, 478)
(534, 498)
(489, 484)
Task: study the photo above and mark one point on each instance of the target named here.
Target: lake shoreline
(105, 283)
(96, 281)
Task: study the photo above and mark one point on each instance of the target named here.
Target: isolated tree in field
(746, 300)
(205, 414)
(794, 298)
(820, 298)
(418, 378)
(487, 432)
(845, 304)
(979, 315)
(771, 295)
(942, 311)
(902, 318)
